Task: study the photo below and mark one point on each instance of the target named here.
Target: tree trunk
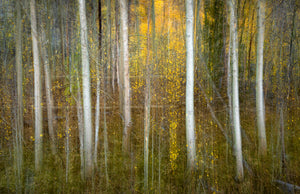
(80, 126)
(190, 116)
(109, 45)
(235, 92)
(104, 71)
(154, 61)
(118, 59)
(37, 89)
(229, 79)
(86, 90)
(67, 140)
(147, 107)
(259, 78)
(20, 127)
(48, 87)
(98, 63)
(62, 34)
(105, 129)
(125, 72)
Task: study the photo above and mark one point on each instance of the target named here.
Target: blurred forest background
(74, 118)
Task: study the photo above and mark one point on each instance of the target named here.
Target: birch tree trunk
(37, 89)
(147, 107)
(86, 90)
(235, 92)
(190, 116)
(259, 78)
(98, 63)
(20, 127)
(125, 68)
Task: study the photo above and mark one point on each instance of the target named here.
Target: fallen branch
(287, 187)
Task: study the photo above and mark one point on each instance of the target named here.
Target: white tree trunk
(125, 64)
(37, 89)
(147, 108)
(190, 116)
(98, 63)
(235, 92)
(86, 90)
(259, 78)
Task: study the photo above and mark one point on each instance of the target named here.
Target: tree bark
(37, 89)
(190, 115)
(154, 61)
(48, 87)
(125, 72)
(259, 78)
(235, 92)
(105, 129)
(86, 90)
(80, 126)
(147, 107)
(20, 127)
(98, 63)
(104, 71)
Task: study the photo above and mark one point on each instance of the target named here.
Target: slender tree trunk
(20, 127)
(37, 89)
(68, 97)
(118, 59)
(291, 54)
(67, 141)
(235, 92)
(62, 34)
(105, 72)
(48, 87)
(98, 63)
(147, 108)
(80, 127)
(109, 45)
(281, 103)
(282, 156)
(154, 61)
(51, 76)
(86, 90)
(105, 129)
(159, 159)
(125, 68)
(229, 79)
(52, 62)
(229, 89)
(259, 79)
(190, 115)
